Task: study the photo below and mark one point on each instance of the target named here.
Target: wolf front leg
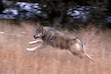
(42, 45)
(34, 42)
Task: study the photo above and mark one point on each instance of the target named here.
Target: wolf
(49, 36)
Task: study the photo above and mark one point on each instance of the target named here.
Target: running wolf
(49, 36)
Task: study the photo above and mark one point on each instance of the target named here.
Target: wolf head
(39, 32)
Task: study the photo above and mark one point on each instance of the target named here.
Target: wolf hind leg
(81, 55)
(76, 53)
(89, 57)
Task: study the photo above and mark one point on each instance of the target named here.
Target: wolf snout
(35, 37)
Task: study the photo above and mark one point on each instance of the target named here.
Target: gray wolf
(50, 36)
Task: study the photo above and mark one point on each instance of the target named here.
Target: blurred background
(65, 14)
(90, 20)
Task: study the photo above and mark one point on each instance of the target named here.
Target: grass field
(14, 59)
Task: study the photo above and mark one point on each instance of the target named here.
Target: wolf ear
(39, 26)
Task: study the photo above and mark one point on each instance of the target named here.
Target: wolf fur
(49, 36)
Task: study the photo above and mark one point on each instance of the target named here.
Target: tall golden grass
(14, 59)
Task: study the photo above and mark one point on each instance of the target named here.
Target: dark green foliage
(1, 6)
(56, 9)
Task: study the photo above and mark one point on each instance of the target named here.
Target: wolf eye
(38, 31)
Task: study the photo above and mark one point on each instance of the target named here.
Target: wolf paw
(30, 49)
(32, 42)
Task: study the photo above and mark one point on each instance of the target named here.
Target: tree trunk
(1, 6)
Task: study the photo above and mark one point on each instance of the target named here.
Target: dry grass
(14, 59)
